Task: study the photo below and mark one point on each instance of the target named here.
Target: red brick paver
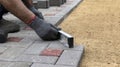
(51, 52)
(14, 39)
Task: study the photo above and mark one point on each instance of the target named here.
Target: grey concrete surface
(26, 52)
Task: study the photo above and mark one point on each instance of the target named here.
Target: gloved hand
(44, 30)
(3, 36)
(36, 12)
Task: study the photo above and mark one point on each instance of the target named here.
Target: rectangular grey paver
(30, 34)
(70, 57)
(11, 53)
(43, 4)
(2, 49)
(4, 64)
(48, 65)
(30, 37)
(59, 45)
(54, 20)
(24, 43)
(37, 47)
(20, 64)
(55, 2)
(36, 58)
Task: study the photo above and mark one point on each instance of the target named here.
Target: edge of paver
(81, 56)
(66, 15)
(79, 59)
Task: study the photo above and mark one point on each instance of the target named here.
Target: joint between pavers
(58, 58)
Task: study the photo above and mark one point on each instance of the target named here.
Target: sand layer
(96, 25)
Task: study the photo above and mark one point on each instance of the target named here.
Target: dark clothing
(2, 11)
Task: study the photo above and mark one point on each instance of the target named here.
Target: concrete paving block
(43, 4)
(20, 64)
(11, 53)
(35, 4)
(59, 45)
(48, 65)
(2, 49)
(36, 58)
(54, 20)
(37, 47)
(4, 64)
(51, 52)
(56, 2)
(24, 43)
(30, 34)
(70, 57)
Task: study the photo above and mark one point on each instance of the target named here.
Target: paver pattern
(26, 49)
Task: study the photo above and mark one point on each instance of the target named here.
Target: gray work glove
(36, 12)
(3, 36)
(45, 30)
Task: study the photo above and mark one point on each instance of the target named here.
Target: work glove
(44, 30)
(3, 36)
(36, 12)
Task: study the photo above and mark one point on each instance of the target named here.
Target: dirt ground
(96, 25)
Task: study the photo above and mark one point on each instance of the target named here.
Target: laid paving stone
(24, 43)
(49, 14)
(48, 65)
(14, 39)
(56, 2)
(37, 47)
(70, 57)
(27, 33)
(27, 51)
(2, 49)
(51, 52)
(36, 58)
(11, 54)
(42, 4)
(54, 20)
(35, 4)
(4, 64)
(59, 45)
(20, 64)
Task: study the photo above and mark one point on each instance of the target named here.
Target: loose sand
(96, 25)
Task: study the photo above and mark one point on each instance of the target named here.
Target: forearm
(17, 8)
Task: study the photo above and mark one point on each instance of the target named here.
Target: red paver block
(14, 39)
(27, 28)
(51, 52)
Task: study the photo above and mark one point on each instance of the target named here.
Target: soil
(96, 25)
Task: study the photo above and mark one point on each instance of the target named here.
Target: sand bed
(96, 25)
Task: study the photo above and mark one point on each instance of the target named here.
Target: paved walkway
(26, 49)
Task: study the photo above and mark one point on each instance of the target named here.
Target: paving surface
(26, 49)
